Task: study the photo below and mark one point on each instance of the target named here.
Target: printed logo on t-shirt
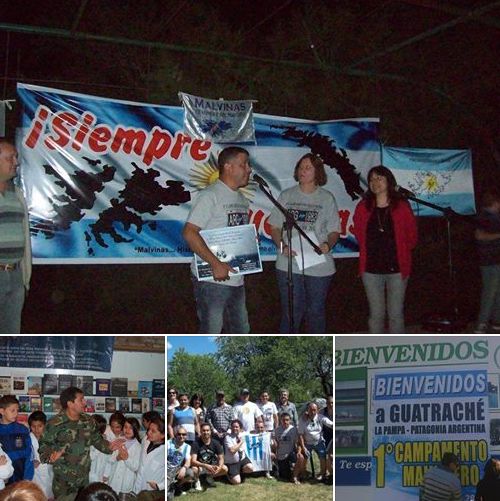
(237, 218)
(304, 216)
(175, 457)
(208, 456)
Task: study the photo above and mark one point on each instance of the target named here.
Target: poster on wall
(113, 181)
(57, 352)
(418, 414)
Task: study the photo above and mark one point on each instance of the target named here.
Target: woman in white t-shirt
(315, 212)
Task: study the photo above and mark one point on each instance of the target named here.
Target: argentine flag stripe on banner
(441, 177)
(112, 181)
(258, 450)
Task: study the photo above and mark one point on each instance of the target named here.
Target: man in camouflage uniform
(66, 445)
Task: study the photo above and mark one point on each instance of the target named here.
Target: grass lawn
(263, 489)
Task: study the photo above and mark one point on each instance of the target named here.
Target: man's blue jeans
(490, 295)
(11, 301)
(220, 307)
(309, 300)
(376, 286)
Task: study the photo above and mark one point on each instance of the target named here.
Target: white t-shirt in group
(247, 413)
(268, 411)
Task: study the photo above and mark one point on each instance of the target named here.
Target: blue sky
(198, 345)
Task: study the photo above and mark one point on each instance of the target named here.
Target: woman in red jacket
(386, 230)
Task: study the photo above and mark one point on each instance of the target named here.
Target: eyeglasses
(182, 434)
(172, 393)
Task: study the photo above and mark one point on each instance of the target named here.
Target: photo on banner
(260, 407)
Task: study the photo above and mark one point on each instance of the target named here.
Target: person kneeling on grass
(234, 455)
(288, 452)
(207, 458)
(179, 455)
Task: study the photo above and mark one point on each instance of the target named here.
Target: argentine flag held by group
(258, 450)
(441, 177)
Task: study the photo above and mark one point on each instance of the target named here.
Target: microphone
(404, 191)
(259, 180)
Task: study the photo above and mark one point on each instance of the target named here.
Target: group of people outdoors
(229, 442)
(73, 450)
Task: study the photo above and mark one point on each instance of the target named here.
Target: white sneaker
(197, 486)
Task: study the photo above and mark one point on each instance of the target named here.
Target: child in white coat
(151, 474)
(126, 460)
(6, 469)
(43, 471)
(99, 462)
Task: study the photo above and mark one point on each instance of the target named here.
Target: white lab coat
(6, 470)
(100, 465)
(151, 469)
(44, 474)
(123, 473)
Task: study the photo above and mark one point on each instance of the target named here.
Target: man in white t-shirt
(310, 435)
(247, 412)
(269, 411)
(220, 305)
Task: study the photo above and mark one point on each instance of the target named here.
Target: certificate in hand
(236, 245)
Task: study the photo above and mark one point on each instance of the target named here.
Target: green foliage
(302, 364)
(196, 374)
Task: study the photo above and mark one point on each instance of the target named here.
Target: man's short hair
(7, 400)
(237, 421)
(37, 416)
(228, 154)
(69, 395)
(205, 424)
(449, 458)
(285, 414)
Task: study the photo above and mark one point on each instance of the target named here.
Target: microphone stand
(435, 322)
(288, 225)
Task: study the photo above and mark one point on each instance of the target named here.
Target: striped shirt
(11, 227)
(440, 484)
(187, 419)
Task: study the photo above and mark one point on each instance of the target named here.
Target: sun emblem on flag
(429, 183)
(205, 174)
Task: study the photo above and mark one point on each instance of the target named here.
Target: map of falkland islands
(142, 195)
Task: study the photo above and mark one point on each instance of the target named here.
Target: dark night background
(429, 70)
